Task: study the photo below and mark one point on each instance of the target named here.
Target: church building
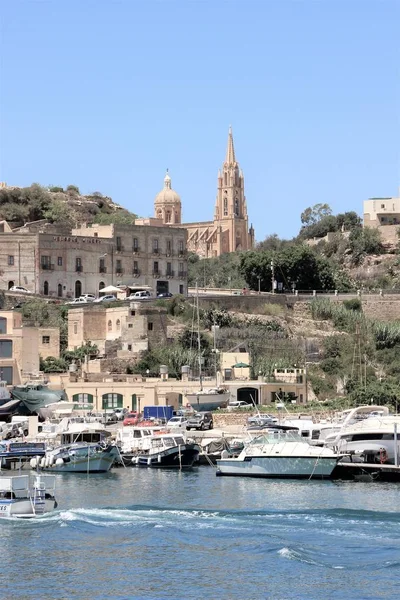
(229, 231)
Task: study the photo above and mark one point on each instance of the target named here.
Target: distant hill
(66, 208)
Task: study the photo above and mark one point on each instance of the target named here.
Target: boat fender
(382, 455)
(47, 461)
(137, 460)
(43, 462)
(51, 460)
(33, 463)
(224, 454)
(159, 458)
(59, 462)
(149, 461)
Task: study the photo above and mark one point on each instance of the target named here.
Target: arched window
(168, 216)
(101, 285)
(118, 324)
(10, 285)
(46, 288)
(82, 399)
(226, 178)
(236, 207)
(78, 289)
(59, 290)
(225, 207)
(109, 325)
(112, 401)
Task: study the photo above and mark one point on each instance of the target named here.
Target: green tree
(363, 242)
(315, 213)
(73, 189)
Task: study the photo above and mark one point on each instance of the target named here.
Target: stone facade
(93, 257)
(229, 231)
(21, 347)
(137, 327)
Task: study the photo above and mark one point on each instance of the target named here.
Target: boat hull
(171, 458)
(23, 508)
(101, 462)
(278, 467)
(208, 402)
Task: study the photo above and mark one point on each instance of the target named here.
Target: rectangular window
(135, 266)
(10, 260)
(119, 266)
(45, 261)
(102, 265)
(181, 291)
(155, 266)
(130, 325)
(135, 244)
(169, 247)
(6, 349)
(3, 325)
(181, 246)
(133, 313)
(45, 339)
(150, 326)
(59, 261)
(169, 268)
(78, 265)
(155, 245)
(129, 347)
(119, 243)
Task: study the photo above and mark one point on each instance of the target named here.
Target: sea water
(141, 533)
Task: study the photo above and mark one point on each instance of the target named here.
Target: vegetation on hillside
(64, 208)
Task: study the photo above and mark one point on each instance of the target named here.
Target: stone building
(137, 327)
(229, 231)
(383, 214)
(21, 347)
(93, 257)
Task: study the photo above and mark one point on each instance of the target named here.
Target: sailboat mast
(198, 336)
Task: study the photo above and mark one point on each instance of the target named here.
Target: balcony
(136, 249)
(119, 248)
(119, 271)
(136, 272)
(102, 269)
(170, 273)
(182, 274)
(47, 267)
(78, 268)
(156, 251)
(156, 273)
(182, 253)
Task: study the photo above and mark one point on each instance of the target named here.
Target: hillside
(65, 208)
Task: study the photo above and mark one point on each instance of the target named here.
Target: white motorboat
(377, 438)
(280, 454)
(166, 450)
(25, 496)
(208, 399)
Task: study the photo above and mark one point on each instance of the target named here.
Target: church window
(226, 178)
(168, 216)
(225, 207)
(236, 207)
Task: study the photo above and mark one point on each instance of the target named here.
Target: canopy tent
(240, 365)
(110, 289)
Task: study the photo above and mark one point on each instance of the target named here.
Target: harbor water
(142, 533)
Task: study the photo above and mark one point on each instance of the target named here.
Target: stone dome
(167, 194)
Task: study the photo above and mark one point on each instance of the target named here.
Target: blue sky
(106, 94)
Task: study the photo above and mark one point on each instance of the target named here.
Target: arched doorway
(101, 285)
(59, 290)
(46, 288)
(78, 289)
(10, 285)
(248, 394)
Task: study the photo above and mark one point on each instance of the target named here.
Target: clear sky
(106, 94)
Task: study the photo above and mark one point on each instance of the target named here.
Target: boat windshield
(273, 437)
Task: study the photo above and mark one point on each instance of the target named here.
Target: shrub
(353, 304)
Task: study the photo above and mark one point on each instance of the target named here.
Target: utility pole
(272, 277)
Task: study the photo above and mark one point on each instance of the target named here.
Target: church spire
(230, 150)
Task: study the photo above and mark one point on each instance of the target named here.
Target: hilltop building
(229, 231)
(383, 214)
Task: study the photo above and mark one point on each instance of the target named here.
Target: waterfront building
(229, 230)
(21, 347)
(92, 257)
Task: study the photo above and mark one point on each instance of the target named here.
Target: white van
(143, 294)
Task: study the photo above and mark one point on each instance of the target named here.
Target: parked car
(106, 298)
(79, 300)
(177, 423)
(131, 418)
(262, 420)
(165, 295)
(142, 295)
(20, 289)
(88, 297)
(109, 418)
(200, 420)
(121, 412)
(239, 404)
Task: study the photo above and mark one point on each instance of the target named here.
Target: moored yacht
(281, 454)
(166, 450)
